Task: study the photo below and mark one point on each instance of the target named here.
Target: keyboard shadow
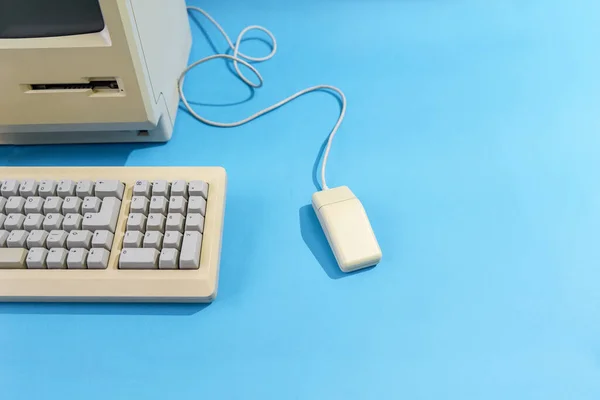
(102, 308)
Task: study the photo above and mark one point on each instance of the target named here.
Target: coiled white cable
(240, 58)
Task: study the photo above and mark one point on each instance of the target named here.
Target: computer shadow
(102, 308)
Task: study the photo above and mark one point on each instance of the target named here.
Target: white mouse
(347, 228)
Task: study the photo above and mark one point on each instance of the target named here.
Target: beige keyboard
(111, 234)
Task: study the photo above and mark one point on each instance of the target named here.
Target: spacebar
(12, 258)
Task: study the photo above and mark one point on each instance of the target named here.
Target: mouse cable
(240, 58)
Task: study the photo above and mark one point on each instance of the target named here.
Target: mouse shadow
(315, 240)
(174, 309)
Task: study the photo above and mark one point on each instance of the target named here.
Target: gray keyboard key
(160, 188)
(77, 258)
(91, 205)
(34, 205)
(3, 236)
(47, 188)
(139, 259)
(110, 188)
(153, 240)
(17, 238)
(53, 221)
(156, 222)
(12, 258)
(14, 205)
(2, 204)
(172, 240)
(84, 188)
(14, 222)
(190, 250)
(57, 239)
(175, 222)
(106, 219)
(159, 205)
(98, 259)
(179, 188)
(33, 222)
(198, 188)
(133, 239)
(66, 188)
(142, 188)
(178, 205)
(103, 240)
(169, 259)
(139, 205)
(72, 205)
(37, 238)
(79, 239)
(2, 219)
(53, 204)
(36, 258)
(57, 258)
(10, 188)
(72, 222)
(194, 222)
(28, 188)
(197, 205)
(136, 222)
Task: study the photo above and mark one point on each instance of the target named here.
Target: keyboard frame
(113, 284)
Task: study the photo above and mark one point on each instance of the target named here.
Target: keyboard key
(172, 240)
(76, 259)
(136, 222)
(103, 240)
(84, 188)
(3, 237)
(98, 259)
(33, 222)
(156, 222)
(14, 222)
(139, 205)
(139, 259)
(142, 188)
(47, 188)
(28, 188)
(153, 240)
(53, 204)
(72, 205)
(79, 239)
(179, 188)
(37, 238)
(10, 188)
(160, 188)
(15, 205)
(36, 258)
(2, 219)
(194, 222)
(190, 250)
(159, 204)
(57, 239)
(106, 219)
(169, 258)
(133, 239)
(34, 205)
(177, 205)
(66, 188)
(198, 188)
(2, 204)
(57, 258)
(91, 205)
(17, 238)
(175, 222)
(12, 258)
(197, 205)
(72, 222)
(53, 221)
(110, 188)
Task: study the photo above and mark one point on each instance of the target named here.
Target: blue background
(472, 139)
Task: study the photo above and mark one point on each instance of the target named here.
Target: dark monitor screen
(46, 18)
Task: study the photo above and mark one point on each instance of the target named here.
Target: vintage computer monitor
(87, 71)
